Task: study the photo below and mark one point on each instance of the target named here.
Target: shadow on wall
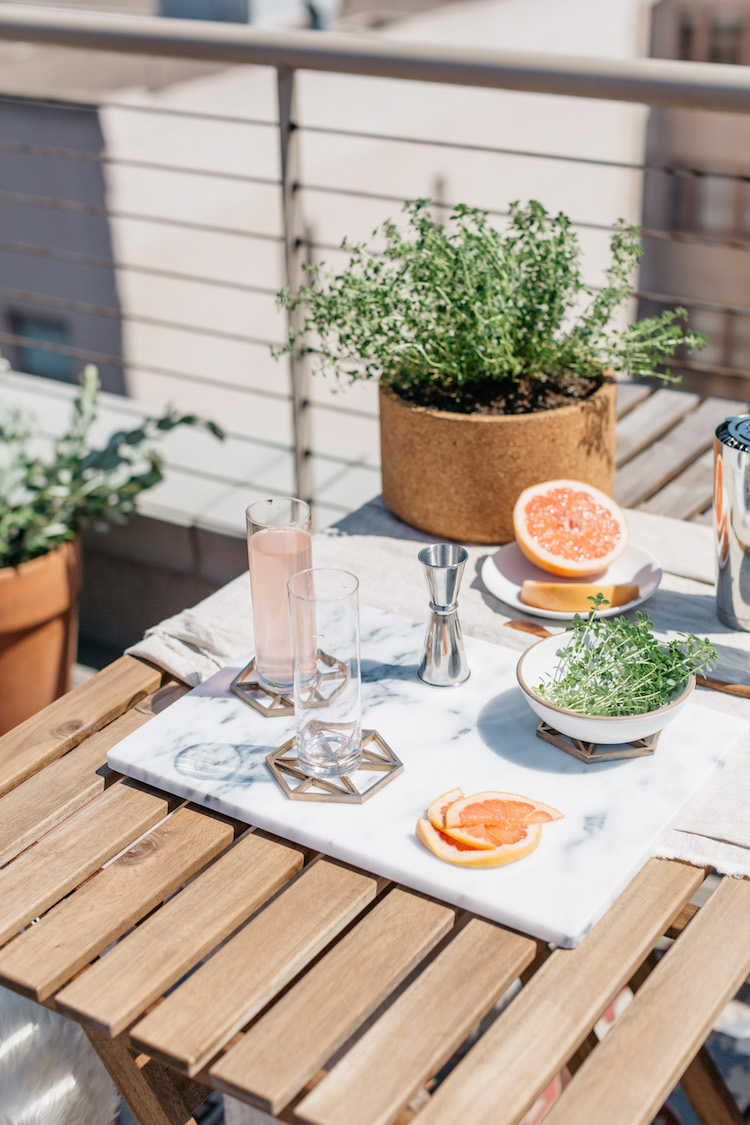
(56, 243)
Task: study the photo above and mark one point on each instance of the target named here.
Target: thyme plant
(613, 666)
(461, 315)
(45, 501)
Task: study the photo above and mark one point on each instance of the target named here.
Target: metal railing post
(293, 256)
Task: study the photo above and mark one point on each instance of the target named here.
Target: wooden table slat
(429, 1022)
(650, 419)
(48, 797)
(197, 1019)
(509, 1067)
(47, 736)
(72, 933)
(287, 1046)
(689, 493)
(629, 395)
(645, 474)
(75, 849)
(629, 1075)
(119, 987)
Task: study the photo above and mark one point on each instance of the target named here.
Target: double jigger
(444, 662)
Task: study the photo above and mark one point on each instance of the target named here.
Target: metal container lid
(735, 433)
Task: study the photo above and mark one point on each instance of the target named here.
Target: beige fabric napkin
(382, 552)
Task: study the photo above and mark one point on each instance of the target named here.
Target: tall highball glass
(324, 603)
(278, 545)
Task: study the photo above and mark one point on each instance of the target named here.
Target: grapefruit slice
(492, 819)
(465, 855)
(436, 811)
(573, 597)
(569, 528)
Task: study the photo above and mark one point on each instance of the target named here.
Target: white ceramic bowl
(537, 665)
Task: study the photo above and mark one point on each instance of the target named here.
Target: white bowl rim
(581, 714)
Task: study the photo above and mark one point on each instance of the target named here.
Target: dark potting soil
(524, 397)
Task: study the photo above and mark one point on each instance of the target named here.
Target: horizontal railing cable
(87, 355)
(22, 148)
(108, 313)
(134, 107)
(75, 257)
(533, 154)
(24, 199)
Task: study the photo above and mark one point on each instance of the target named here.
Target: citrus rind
(569, 528)
(444, 847)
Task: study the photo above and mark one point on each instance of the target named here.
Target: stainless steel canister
(732, 521)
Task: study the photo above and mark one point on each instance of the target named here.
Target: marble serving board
(210, 747)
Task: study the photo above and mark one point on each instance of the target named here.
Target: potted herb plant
(45, 503)
(496, 361)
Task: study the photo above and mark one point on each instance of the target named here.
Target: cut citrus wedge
(569, 528)
(453, 851)
(493, 819)
(436, 811)
(573, 597)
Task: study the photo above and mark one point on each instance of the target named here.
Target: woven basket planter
(457, 476)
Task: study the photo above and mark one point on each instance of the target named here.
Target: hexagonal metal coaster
(591, 752)
(247, 687)
(377, 759)
(330, 680)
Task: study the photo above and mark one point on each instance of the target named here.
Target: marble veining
(210, 747)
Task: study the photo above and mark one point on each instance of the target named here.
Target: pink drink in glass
(275, 553)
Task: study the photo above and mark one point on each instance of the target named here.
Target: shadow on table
(508, 727)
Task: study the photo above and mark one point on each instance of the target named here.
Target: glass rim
(290, 500)
(317, 597)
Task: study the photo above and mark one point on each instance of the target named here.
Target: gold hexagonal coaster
(377, 759)
(331, 677)
(247, 687)
(591, 752)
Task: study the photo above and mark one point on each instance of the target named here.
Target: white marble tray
(210, 747)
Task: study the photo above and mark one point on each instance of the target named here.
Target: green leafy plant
(613, 666)
(464, 317)
(46, 501)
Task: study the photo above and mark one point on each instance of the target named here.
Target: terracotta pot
(457, 476)
(38, 632)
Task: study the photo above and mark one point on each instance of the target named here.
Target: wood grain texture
(72, 933)
(117, 989)
(646, 1051)
(374, 1081)
(75, 849)
(49, 796)
(149, 1094)
(645, 474)
(629, 395)
(642, 426)
(197, 1019)
(505, 1072)
(47, 736)
(689, 493)
(286, 1047)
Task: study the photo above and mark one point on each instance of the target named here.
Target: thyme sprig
(613, 666)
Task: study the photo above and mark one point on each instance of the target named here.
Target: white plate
(505, 572)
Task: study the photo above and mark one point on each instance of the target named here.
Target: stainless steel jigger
(444, 662)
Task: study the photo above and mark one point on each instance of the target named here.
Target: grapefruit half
(569, 528)
(445, 847)
(493, 819)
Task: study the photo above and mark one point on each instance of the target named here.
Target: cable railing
(196, 250)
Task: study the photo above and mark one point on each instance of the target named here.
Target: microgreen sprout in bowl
(613, 673)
